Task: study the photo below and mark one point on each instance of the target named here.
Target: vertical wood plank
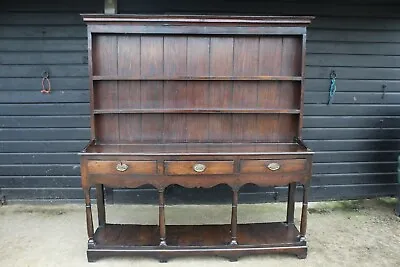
(106, 95)
(291, 56)
(152, 127)
(104, 55)
(221, 64)
(129, 91)
(245, 63)
(269, 93)
(303, 68)
(129, 65)
(91, 85)
(270, 56)
(130, 126)
(152, 57)
(175, 53)
(107, 128)
(198, 64)
(197, 96)
(175, 64)
(288, 126)
(290, 95)
(105, 63)
(291, 65)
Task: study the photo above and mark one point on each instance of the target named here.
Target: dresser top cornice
(225, 20)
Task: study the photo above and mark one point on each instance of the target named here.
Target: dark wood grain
(292, 58)
(105, 63)
(198, 60)
(100, 205)
(205, 101)
(261, 166)
(161, 217)
(245, 62)
(197, 110)
(106, 95)
(106, 128)
(290, 203)
(175, 63)
(197, 235)
(195, 30)
(221, 63)
(196, 78)
(124, 149)
(104, 49)
(234, 217)
(187, 167)
(152, 93)
(134, 167)
(200, 20)
(128, 55)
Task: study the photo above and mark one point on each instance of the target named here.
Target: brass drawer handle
(273, 166)
(199, 167)
(121, 167)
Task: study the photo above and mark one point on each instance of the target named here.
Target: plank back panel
(194, 95)
(175, 63)
(151, 63)
(221, 93)
(266, 128)
(151, 97)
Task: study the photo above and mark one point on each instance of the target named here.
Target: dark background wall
(356, 138)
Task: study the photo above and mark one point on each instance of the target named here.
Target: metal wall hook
(332, 75)
(46, 85)
(384, 86)
(332, 88)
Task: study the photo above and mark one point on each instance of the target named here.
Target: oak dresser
(196, 101)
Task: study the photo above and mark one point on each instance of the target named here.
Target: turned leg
(234, 217)
(89, 219)
(303, 224)
(161, 217)
(290, 203)
(100, 204)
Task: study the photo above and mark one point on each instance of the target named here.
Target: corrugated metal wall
(356, 138)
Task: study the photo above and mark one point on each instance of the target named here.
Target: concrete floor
(357, 233)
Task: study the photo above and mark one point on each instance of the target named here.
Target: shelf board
(258, 234)
(190, 149)
(187, 110)
(197, 78)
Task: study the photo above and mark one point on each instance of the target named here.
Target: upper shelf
(196, 78)
(196, 110)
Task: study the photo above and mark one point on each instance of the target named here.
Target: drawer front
(273, 166)
(122, 167)
(198, 167)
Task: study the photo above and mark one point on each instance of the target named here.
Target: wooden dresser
(196, 101)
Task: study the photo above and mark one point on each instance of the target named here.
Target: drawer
(198, 167)
(122, 167)
(272, 166)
